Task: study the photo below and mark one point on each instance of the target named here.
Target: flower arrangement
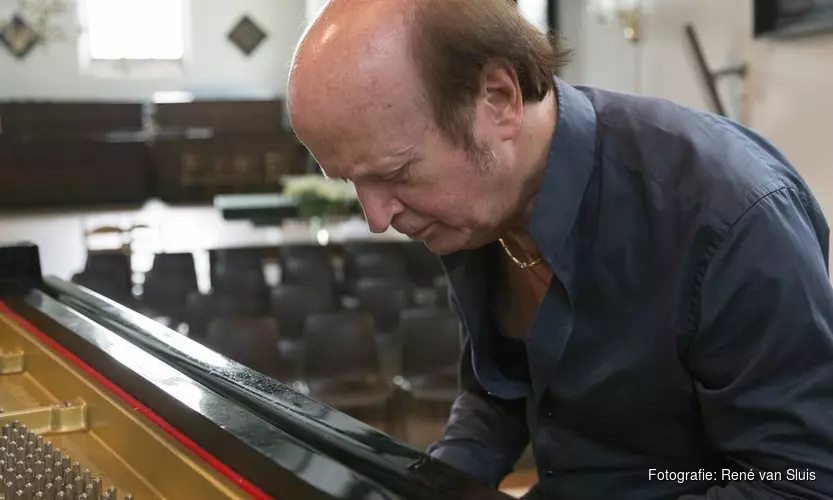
(318, 196)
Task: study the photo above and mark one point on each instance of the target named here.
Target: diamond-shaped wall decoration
(247, 35)
(18, 37)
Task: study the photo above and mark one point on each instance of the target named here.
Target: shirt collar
(569, 166)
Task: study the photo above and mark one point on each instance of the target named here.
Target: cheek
(449, 202)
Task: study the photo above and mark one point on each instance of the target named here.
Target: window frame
(133, 68)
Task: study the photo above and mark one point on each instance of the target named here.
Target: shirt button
(549, 414)
(549, 473)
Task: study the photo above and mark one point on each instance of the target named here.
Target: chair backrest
(291, 304)
(384, 299)
(379, 263)
(307, 271)
(430, 341)
(340, 345)
(318, 253)
(168, 283)
(106, 283)
(174, 265)
(252, 341)
(202, 309)
(115, 264)
(231, 260)
(424, 268)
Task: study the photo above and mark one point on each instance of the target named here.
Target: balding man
(643, 287)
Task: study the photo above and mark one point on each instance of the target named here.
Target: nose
(379, 206)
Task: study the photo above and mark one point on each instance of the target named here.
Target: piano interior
(65, 431)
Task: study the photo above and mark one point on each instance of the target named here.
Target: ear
(501, 98)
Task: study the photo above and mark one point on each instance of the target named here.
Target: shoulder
(698, 158)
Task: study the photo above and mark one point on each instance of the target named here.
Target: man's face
(408, 175)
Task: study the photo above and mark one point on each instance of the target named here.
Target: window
(136, 29)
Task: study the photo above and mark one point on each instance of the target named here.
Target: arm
(484, 436)
(763, 355)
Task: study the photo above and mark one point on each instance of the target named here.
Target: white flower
(321, 187)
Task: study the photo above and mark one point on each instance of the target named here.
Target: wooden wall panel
(222, 117)
(40, 174)
(37, 120)
(195, 170)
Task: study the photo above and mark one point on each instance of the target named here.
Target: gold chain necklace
(522, 264)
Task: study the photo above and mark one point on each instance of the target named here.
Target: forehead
(366, 133)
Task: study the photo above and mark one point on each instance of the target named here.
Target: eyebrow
(369, 175)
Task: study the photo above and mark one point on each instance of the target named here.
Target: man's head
(429, 107)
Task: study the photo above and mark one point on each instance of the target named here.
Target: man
(643, 286)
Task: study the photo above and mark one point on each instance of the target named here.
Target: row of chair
(343, 323)
(338, 268)
(339, 360)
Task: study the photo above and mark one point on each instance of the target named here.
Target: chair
(110, 271)
(429, 357)
(108, 284)
(292, 304)
(168, 283)
(252, 341)
(305, 271)
(372, 261)
(341, 364)
(233, 270)
(384, 300)
(306, 265)
(201, 309)
(430, 353)
(424, 268)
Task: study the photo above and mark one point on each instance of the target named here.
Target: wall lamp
(627, 13)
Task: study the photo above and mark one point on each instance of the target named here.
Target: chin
(445, 244)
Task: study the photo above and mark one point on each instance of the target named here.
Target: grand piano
(100, 402)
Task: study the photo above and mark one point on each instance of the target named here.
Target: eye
(402, 174)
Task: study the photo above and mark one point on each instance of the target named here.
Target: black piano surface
(288, 445)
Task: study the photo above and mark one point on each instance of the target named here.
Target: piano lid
(284, 442)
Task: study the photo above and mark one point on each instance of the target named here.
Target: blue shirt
(687, 334)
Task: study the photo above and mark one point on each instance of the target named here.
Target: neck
(539, 127)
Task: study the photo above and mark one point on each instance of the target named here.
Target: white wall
(216, 68)
(787, 96)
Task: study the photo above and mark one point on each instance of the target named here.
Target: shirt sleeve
(485, 436)
(762, 358)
